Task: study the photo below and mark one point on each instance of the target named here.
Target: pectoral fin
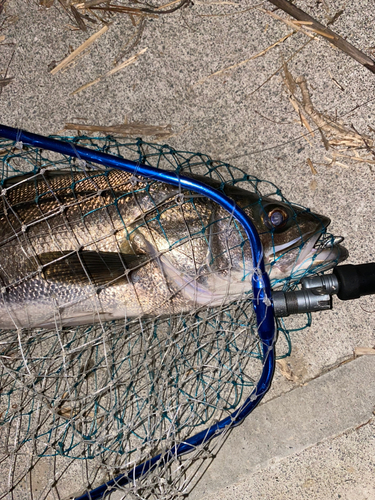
(84, 267)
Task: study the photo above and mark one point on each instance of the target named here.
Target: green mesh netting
(176, 359)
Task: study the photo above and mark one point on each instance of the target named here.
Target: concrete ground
(314, 436)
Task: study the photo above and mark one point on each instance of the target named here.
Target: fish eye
(275, 217)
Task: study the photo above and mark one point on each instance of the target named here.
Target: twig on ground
(333, 132)
(310, 23)
(5, 81)
(78, 51)
(95, 4)
(129, 61)
(79, 19)
(241, 63)
(131, 45)
(296, 25)
(278, 69)
(135, 129)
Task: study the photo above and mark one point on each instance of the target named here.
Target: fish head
(294, 239)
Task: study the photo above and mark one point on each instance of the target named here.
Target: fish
(82, 247)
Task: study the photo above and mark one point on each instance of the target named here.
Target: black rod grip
(355, 280)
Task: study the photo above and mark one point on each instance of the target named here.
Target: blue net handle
(260, 283)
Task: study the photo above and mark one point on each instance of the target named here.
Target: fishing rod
(347, 281)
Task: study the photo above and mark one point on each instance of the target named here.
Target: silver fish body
(83, 247)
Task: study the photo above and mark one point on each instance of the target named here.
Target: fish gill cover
(126, 324)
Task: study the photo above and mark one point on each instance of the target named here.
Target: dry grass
(83, 14)
(84, 46)
(241, 63)
(334, 132)
(114, 70)
(133, 129)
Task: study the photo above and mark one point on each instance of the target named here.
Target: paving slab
(321, 410)
(339, 468)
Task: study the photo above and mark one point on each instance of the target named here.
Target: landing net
(95, 397)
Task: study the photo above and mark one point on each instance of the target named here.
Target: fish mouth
(309, 254)
(321, 252)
